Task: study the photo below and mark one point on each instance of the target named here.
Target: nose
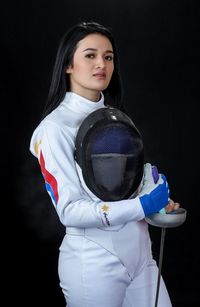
(100, 63)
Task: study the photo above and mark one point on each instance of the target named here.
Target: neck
(90, 95)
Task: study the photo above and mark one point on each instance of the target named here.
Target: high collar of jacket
(81, 104)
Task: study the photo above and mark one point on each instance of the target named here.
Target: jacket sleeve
(54, 149)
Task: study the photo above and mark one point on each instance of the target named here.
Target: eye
(90, 56)
(109, 57)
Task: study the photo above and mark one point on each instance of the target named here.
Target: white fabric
(54, 138)
(92, 276)
(113, 242)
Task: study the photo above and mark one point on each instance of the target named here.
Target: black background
(159, 50)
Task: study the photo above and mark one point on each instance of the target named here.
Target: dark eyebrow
(93, 49)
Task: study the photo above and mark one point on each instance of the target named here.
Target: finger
(176, 206)
(169, 208)
(172, 206)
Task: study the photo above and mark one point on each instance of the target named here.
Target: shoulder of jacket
(45, 127)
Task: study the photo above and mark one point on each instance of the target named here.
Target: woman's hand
(172, 206)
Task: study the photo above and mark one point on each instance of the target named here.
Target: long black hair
(60, 82)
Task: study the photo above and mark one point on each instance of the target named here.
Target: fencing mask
(109, 151)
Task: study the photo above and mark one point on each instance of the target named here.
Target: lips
(100, 75)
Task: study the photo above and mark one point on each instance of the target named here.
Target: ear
(68, 69)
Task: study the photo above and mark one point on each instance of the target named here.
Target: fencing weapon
(164, 220)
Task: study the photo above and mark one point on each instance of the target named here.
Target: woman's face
(92, 66)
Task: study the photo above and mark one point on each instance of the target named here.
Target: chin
(101, 88)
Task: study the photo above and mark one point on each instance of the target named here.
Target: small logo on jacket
(105, 208)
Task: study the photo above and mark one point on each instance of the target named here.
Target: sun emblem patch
(105, 208)
(36, 147)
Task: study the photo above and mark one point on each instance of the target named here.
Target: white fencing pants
(91, 276)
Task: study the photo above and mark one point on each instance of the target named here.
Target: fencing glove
(153, 195)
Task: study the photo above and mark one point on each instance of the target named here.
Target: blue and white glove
(153, 195)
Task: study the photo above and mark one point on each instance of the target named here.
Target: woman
(101, 264)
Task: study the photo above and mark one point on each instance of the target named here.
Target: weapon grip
(155, 175)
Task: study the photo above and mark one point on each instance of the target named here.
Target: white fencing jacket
(118, 226)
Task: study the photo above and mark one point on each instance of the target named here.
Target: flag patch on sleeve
(50, 180)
